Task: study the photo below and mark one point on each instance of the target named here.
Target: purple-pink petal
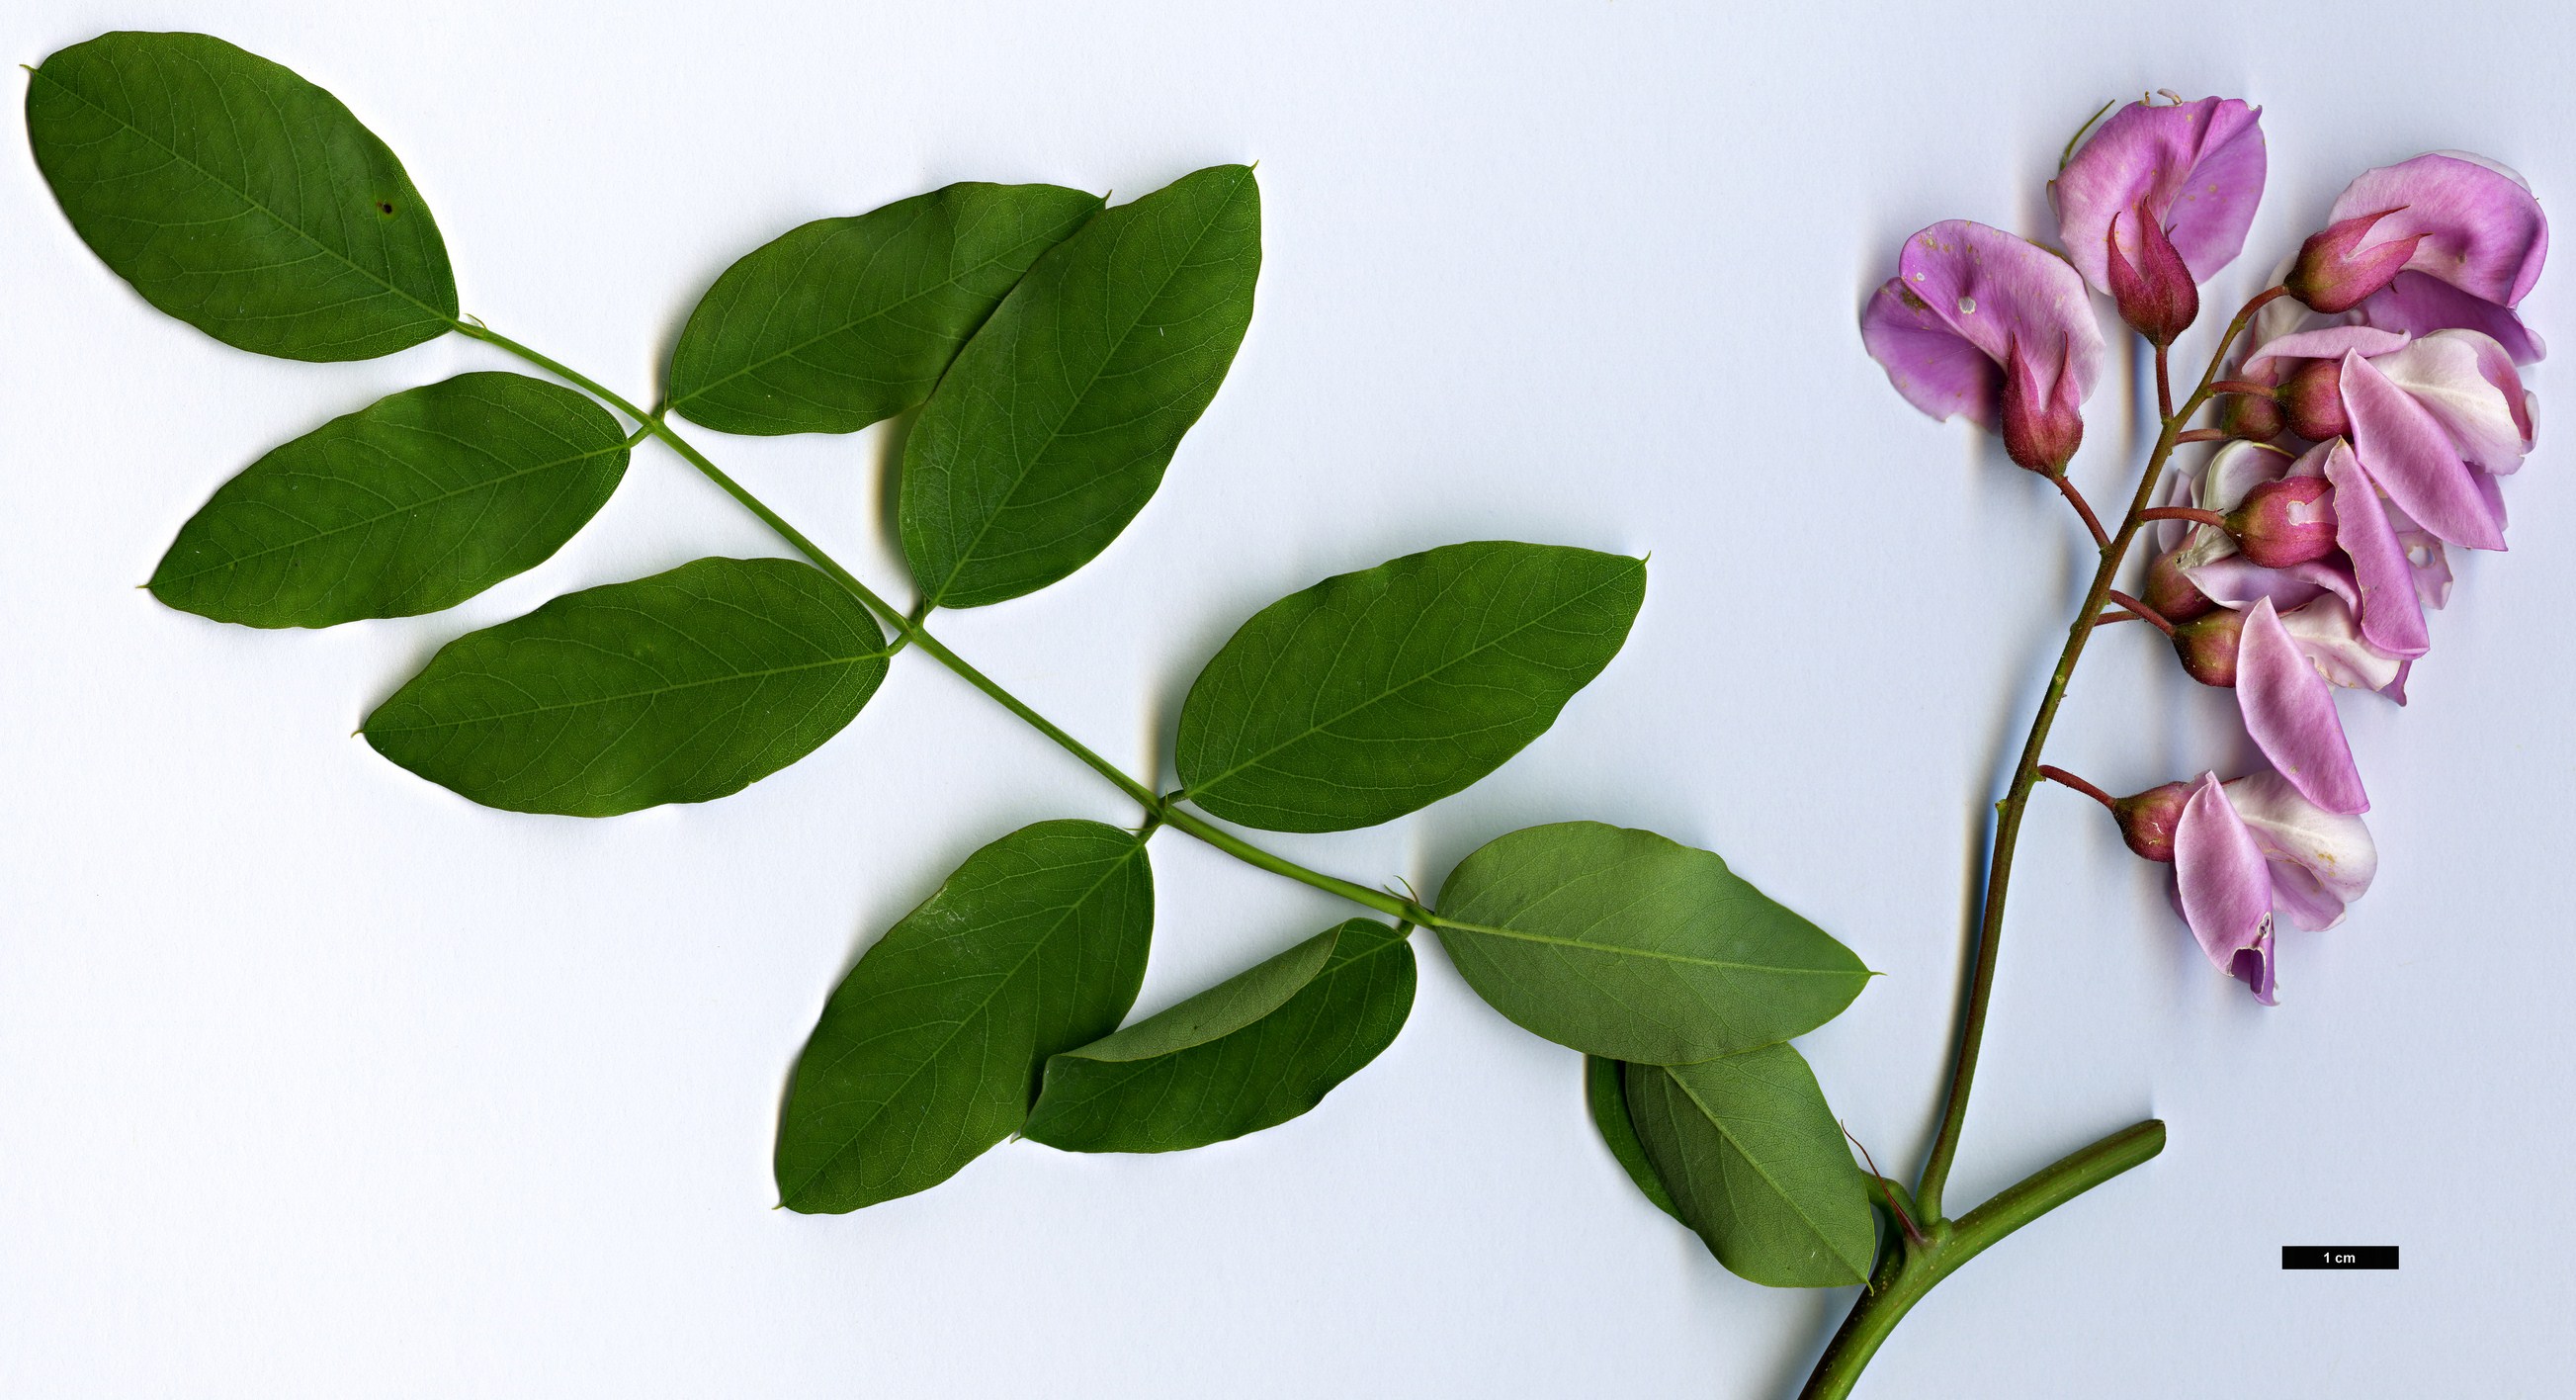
(2253, 967)
(2419, 305)
(2197, 168)
(2223, 883)
(2411, 456)
(2289, 710)
(1965, 298)
(2392, 617)
(2328, 343)
(1930, 365)
(2320, 861)
(2482, 230)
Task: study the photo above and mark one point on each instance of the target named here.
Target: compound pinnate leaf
(681, 687)
(1624, 944)
(839, 323)
(1757, 1166)
(414, 503)
(1249, 1053)
(1605, 1092)
(239, 198)
(929, 1051)
(1053, 426)
(1375, 693)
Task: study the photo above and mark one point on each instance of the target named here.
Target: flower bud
(2175, 598)
(2040, 436)
(2147, 821)
(2285, 522)
(2156, 296)
(2207, 646)
(2312, 402)
(2334, 273)
(2255, 417)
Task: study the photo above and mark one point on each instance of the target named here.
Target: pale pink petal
(2483, 232)
(2198, 168)
(2420, 305)
(2331, 637)
(2392, 618)
(2237, 468)
(2289, 710)
(2410, 455)
(2321, 860)
(2455, 376)
(2329, 343)
(2241, 583)
(2223, 883)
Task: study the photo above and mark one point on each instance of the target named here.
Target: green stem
(1158, 809)
(1906, 1271)
(1972, 1032)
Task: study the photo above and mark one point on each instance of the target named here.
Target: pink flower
(2376, 582)
(2246, 850)
(2188, 176)
(1977, 321)
(2433, 419)
(2442, 242)
(2283, 682)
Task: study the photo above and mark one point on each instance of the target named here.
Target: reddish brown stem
(2140, 610)
(2075, 498)
(2197, 517)
(2201, 435)
(2059, 775)
(2245, 386)
(2106, 619)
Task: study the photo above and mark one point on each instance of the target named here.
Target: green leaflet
(1054, 424)
(1757, 1166)
(1375, 693)
(1626, 945)
(681, 687)
(928, 1052)
(238, 197)
(839, 323)
(1605, 1092)
(1249, 1053)
(414, 503)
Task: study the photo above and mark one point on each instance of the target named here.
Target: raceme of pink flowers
(2372, 413)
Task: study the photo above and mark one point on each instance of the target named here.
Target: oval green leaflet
(681, 687)
(1249, 1053)
(928, 1052)
(1627, 945)
(1756, 1165)
(1375, 693)
(412, 504)
(238, 197)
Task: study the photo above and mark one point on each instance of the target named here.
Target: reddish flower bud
(2157, 296)
(2040, 436)
(2285, 522)
(2256, 417)
(2175, 598)
(2335, 273)
(2147, 821)
(2207, 646)
(2312, 402)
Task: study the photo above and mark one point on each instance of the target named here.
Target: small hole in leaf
(383, 208)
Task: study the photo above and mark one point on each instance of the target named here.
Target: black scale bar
(2338, 1256)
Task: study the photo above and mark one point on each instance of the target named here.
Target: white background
(316, 1080)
